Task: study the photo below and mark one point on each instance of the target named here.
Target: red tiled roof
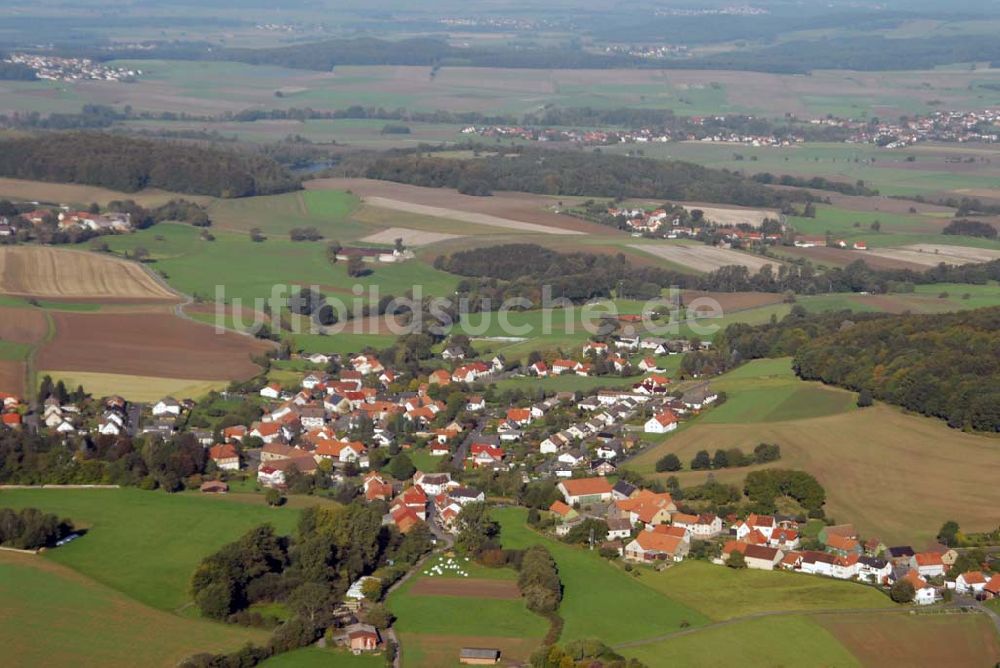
(586, 486)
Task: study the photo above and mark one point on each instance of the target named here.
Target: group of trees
(309, 572)
(34, 459)
(591, 653)
(521, 270)
(130, 165)
(538, 580)
(970, 228)
(30, 528)
(763, 489)
(529, 169)
(731, 458)
(816, 182)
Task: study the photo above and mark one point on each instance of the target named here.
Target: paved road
(462, 452)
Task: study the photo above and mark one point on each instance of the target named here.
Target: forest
(576, 174)
(130, 165)
(497, 273)
(944, 365)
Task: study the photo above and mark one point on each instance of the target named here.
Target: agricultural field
(79, 195)
(56, 273)
(702, 258)
(930, 255)
(314, 657)
(150, 344)
(136, 388)
(600, 599)
(54, 616)
(868, 460)
(452, 603)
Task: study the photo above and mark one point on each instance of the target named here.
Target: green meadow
(55, 617)
(767, 642)
(146, 544)
(601, 600)
(768, 391)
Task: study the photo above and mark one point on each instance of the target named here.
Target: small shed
(214, 487)
(478, 656)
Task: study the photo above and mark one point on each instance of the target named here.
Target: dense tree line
(527, 169)
(538, 580)
(33, 459)
(970, 228)
(816, 182)
(129, 165)
(587, 652)
(30, 528)
(502, 272)
(945, 366)
(16, 72)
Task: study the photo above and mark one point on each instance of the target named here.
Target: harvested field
(55, 273)
(152, 344)
(465, 216)
(12, 377)
(506, 210)
(731, 217)
(733, 301)
(916, 640)
(848, 451)
(136, 388)
(475, 587)
(930, 255)
(22, 325)
(409, 237)
(69, 193)
(433, 651)
(838, 257)
(704, 258)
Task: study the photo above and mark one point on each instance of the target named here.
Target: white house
(271, 391)
(661, 423)
(972, 582)
(166, 406)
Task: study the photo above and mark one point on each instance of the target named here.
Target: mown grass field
(146, 544)
(53, 616)
(600, 600)
(314, 657)
(767, 642)
(895, 476)
(724, 593)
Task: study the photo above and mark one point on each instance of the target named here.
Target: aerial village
(351, 418)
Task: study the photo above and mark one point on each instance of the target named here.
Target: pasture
(451, 603)
(792, 640)
(54, 616)
(146, 544)
(724, 593)
(56, 273)
(600, 600)
(315, 657)
(894, 476)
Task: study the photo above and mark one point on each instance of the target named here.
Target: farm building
(475, 656)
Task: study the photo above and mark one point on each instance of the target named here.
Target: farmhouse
(585, 490)
(225, 456)
(167, 406)
(647, 507)
(924, 593)
(655, 546)
(971, 582)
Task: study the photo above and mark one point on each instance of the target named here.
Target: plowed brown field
(150, 344)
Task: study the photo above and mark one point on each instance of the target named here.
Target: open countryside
(364, 334)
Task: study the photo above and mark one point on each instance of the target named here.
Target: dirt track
(475, 587)
(153, 344)
(56, 273)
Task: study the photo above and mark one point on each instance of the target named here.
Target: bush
(902, 591)
(669, 462)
